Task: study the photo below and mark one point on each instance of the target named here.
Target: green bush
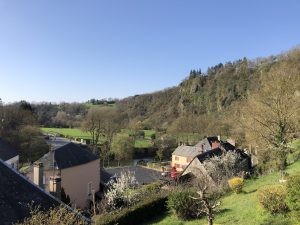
(152, 188)
(272, 198)
(293, 196)
(181, 203)
(137, 214)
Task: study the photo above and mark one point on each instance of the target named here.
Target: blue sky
(74, 50)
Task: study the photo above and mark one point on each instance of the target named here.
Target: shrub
(272, 198)
(293, 196)
(137, 214)
(181, 203)
(236, 184)
(122, 192)
(59, 215)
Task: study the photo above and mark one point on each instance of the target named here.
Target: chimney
(55, 186)
(231, 141)
(38, 173)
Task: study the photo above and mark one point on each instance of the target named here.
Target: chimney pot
(38, 173)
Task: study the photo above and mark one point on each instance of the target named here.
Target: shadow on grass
(222, 211)
(249, 192)
(157, 219)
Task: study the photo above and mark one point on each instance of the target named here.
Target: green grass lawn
(75, 132)
(239, 208)
(72, 132)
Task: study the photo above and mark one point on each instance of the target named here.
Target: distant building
(72, 168)
(17, 193)
(9, 154)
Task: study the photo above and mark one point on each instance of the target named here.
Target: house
(183, 155)
(9, 154)
(73, 168)
(196, 166)
(143, 175)
(16, 193)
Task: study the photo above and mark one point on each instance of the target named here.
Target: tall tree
(122, 147)
(271, 115)
(103, 122)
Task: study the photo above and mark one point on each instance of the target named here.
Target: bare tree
(209, 193)
(103, 122)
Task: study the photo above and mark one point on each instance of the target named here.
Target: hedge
(137, 214)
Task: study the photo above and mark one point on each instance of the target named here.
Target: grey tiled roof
(16, 192)
(67, 156)
(142, 175)
(7, 151)
(187, 151)
(71, 155)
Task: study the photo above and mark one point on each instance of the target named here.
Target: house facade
(183, 155)
(9, 154)
(71, 168)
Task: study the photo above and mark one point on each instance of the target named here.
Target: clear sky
(74, 50)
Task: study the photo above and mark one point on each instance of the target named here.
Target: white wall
(13, 162)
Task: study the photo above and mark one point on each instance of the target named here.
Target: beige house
(72, 168)
(183, 155)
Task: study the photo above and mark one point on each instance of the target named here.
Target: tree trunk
(210, 220)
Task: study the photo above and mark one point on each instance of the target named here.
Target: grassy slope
(239, 208)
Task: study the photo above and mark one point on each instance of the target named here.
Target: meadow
(240, 208)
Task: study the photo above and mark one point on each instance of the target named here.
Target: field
(71, 132)
(77, 133)
(239, 208)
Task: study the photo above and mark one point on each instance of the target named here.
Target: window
(89, 188)
(176, 158)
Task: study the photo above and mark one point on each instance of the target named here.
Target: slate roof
(71, 155)
(7, 151)
(206, 143)
(16, 192)
(66, 156)
(187, 151)
(142, 175)
(208, 154)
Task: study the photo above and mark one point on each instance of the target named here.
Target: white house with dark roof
(77, 170)
(9, 154)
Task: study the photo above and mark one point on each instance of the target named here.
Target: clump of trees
(103, 124)
(19, 127)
